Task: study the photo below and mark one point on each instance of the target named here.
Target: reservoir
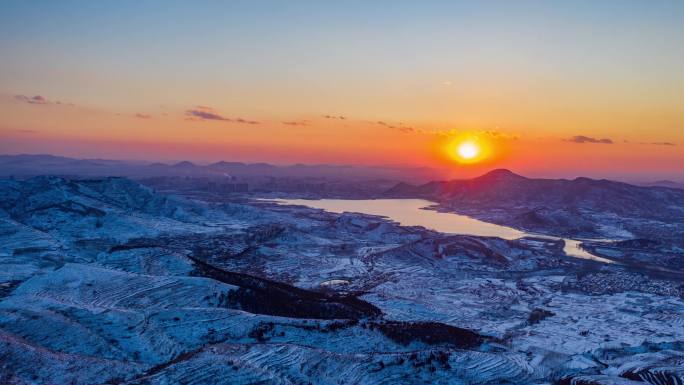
(415, 212)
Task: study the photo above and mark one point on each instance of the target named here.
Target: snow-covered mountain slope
(106, 281)
(579, 207)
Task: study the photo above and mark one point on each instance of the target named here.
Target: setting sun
(468, 150)
(238, 192)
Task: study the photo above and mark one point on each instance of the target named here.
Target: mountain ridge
(554, 206)
(26, 165)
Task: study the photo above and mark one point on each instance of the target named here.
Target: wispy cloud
(494, 134)
(245, 121)
(589, 139)
(38, 99)
(202, 113)
(500, 135)
(296, 123)
(652, 143)
(143, 116)
(205, 115)
(401, 127)
(338, 117)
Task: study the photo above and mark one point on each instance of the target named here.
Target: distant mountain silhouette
(500, 174)
(664, 183)
(43, 164)
(184, 164)
(438, 189)
(561, 205)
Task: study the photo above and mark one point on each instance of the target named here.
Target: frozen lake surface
(413, 212)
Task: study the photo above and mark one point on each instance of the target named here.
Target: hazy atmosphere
(555, 88)
(341, 192)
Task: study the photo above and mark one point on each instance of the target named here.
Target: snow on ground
(106, 280)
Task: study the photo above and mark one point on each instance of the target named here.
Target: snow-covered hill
(107, 281)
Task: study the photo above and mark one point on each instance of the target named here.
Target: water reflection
(411, 212)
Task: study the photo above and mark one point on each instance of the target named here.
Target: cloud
(202, 113)
(143, 116)
(401, 127)
(38, 99)
(245, 121)
(338, 117)
(663, 144)
(296, 123)
(500, 135)
(588, 139)
(653, 143)
(452, 132)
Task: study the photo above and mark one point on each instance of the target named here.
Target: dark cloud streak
(205, 115)
(401, 127)
(208, 113)
(39, 100)
(588, 139)
(296, 123)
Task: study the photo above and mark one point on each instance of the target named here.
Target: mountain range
(577, 207)
(32, 165)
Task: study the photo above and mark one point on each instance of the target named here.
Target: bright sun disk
(468, 150)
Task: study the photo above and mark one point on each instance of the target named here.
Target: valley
(107, 280)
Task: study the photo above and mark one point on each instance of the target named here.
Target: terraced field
(106, 281)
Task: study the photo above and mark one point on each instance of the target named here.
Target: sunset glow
(267, 84)
(342, 192)
(468, 150)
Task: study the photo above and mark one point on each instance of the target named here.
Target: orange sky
(167, 134)
(543, 84)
